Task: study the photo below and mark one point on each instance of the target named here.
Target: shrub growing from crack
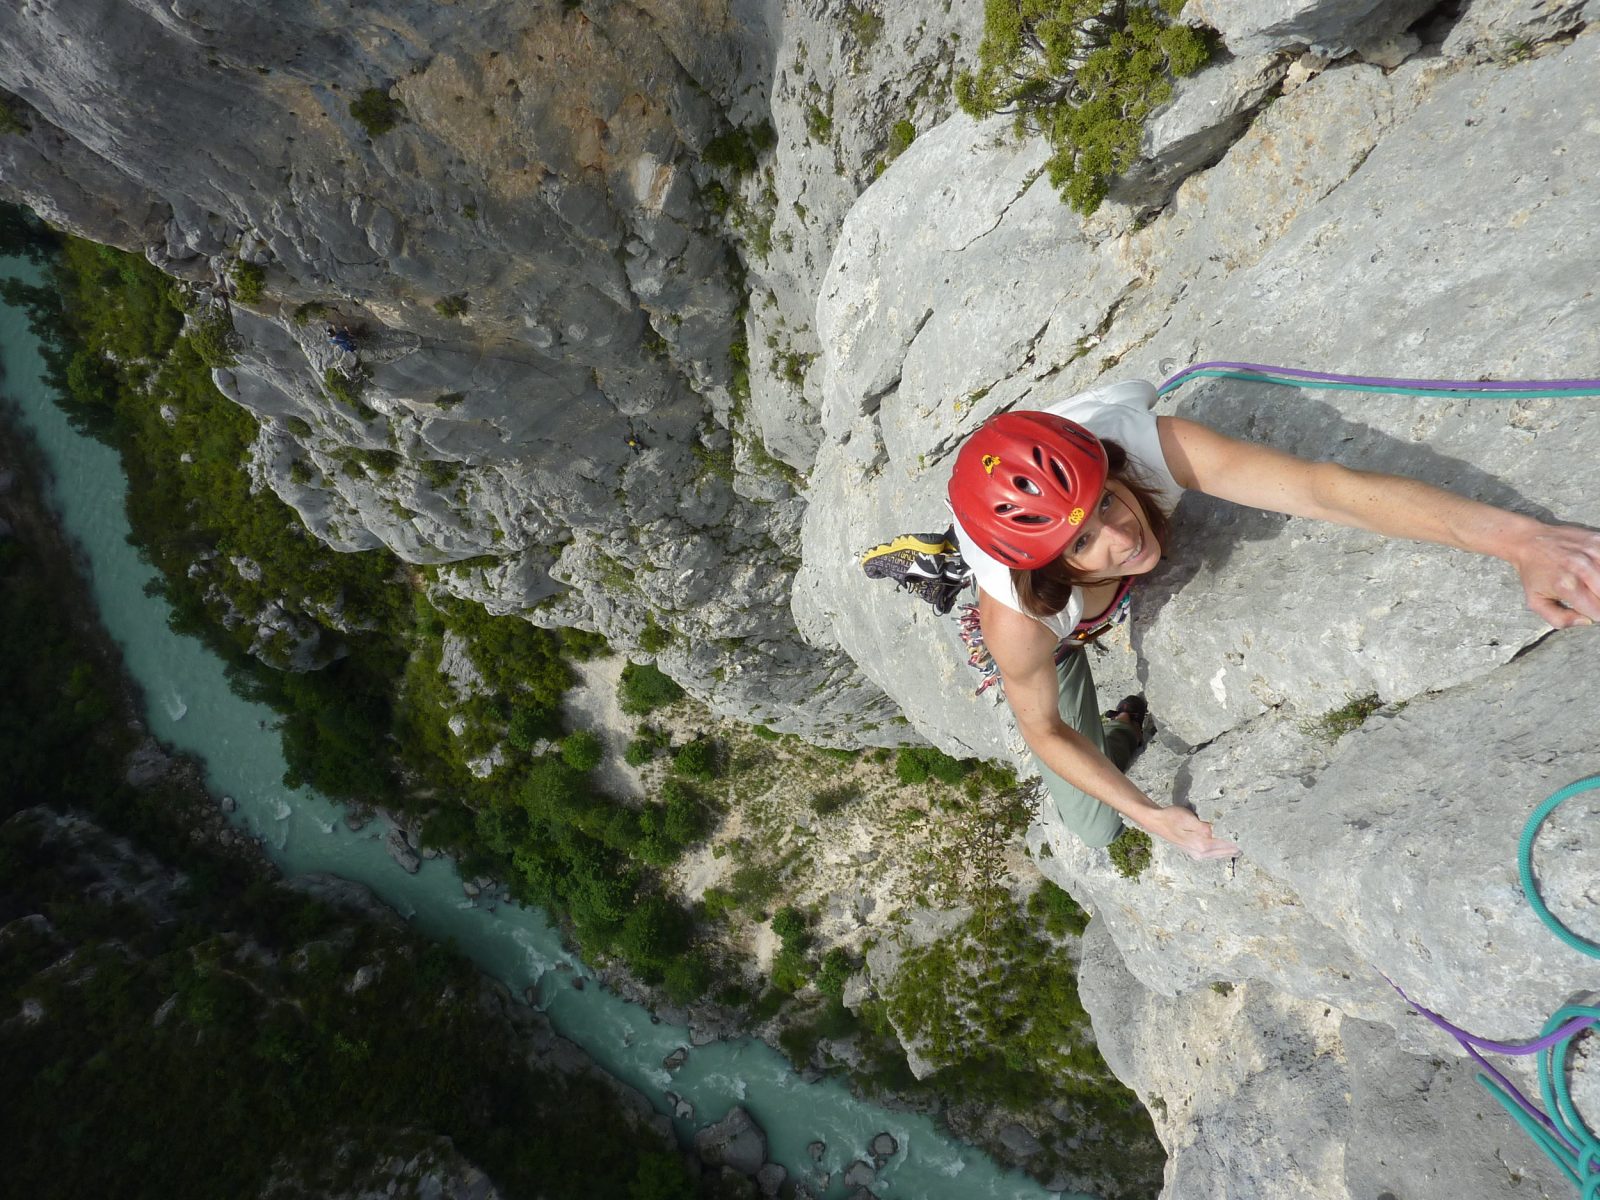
(1084, 74)
(249, 282)
(376, 111)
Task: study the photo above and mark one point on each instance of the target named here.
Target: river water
(191, 707)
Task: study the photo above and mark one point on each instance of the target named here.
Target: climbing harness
(1087, 632)
(1516, 389)
(1558, 1130)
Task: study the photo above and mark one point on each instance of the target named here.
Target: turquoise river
(192, 708)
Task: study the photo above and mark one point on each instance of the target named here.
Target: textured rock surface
(736, 1141)
(547, 171)
(1420, 202)
(1429, 221)
(1333, 27)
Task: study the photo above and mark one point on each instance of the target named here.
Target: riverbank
(174, 873)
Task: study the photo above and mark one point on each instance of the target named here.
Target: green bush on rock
(376, 111)
(1085, 75)
(249, 282)
(644, 687)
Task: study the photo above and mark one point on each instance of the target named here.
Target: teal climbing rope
(1512, 389)
(1559, 1131)
(1569, 1142)
(1530, 887)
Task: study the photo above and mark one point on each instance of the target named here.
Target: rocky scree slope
(1429, 217)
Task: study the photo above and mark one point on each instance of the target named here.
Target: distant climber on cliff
(1060, 511)
(342, 338)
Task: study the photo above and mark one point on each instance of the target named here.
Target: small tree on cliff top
(1085, 74)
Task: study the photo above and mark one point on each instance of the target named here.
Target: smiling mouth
(1137, 550)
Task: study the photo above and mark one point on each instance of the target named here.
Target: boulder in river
(860, 1174)
(770, 1178)
(676, 1059)
(817, 1150)
(682, 1109)
(400, 850)
(884, 1147)
(735, 1141)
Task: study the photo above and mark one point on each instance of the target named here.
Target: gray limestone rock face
(537, 287)
(1333, 27)
(1207, 113)
(1509, 29)
(1335, 234)
(1239, 620)
(1291, 1098)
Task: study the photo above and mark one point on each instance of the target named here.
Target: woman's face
(1115, 540)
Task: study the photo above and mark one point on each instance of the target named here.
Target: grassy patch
(1335, 723)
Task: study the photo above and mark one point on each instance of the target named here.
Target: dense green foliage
(1061, 914)
(739, 149)
(698, 759)
(997, 1010)
(918, 764)
(249, 282)
(644, 687)
(582, 751)
(1085, 74)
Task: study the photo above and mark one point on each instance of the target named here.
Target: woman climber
(1058, 511)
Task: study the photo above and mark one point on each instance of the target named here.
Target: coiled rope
(1559, 1129)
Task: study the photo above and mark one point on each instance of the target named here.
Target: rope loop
(1530, 886)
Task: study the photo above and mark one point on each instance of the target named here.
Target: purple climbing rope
(1472, 1044)
(1457, 385)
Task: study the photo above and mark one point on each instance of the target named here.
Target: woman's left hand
(1560, 570)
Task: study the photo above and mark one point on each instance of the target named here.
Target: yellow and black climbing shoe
(928, 565)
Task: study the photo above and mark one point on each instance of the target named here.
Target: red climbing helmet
(1024, 482)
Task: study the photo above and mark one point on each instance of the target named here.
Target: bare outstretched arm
(1559, 564)
(1024, 650)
